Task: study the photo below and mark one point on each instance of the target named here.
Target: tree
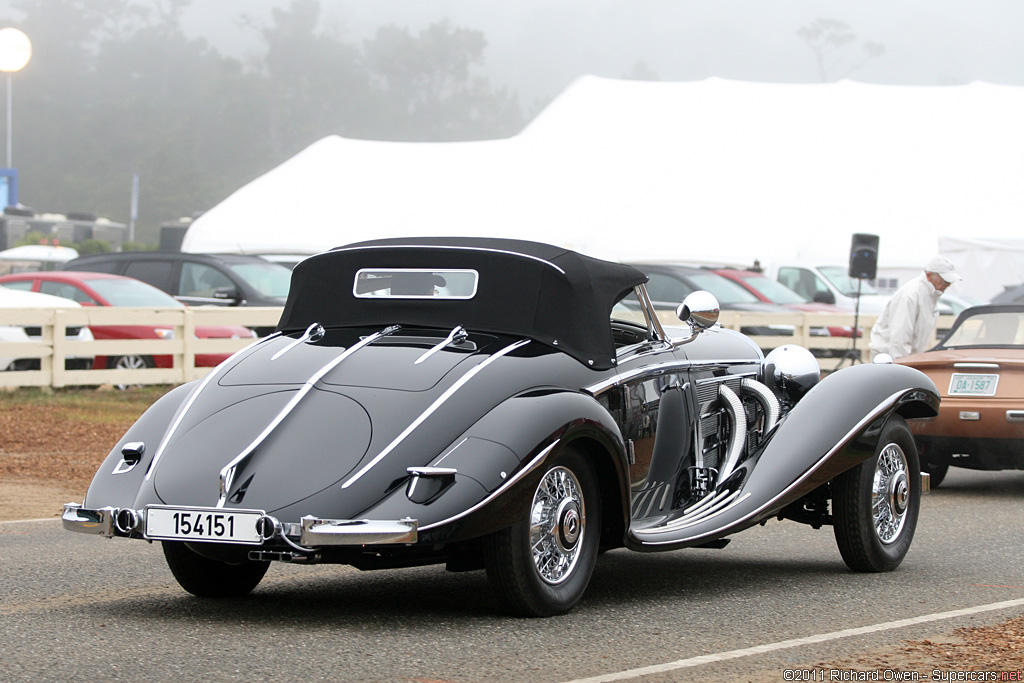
(116, 88)
(428, 88)
(829, 40)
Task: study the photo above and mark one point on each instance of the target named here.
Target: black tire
(867, 544)
(937, 472)
(540, 566)
(209, 578)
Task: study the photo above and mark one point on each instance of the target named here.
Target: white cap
(944, 268)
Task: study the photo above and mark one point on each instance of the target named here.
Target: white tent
(990, 263)
(711, 169)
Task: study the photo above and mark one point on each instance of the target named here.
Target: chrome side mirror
(699, 309)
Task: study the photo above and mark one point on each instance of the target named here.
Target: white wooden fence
(52, 348)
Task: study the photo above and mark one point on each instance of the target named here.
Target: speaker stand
(853, 355)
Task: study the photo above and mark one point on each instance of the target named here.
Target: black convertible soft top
(548, 293)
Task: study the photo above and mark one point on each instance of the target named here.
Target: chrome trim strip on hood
(433, 407)
(656, 368)
(227, 475)
(192, 399)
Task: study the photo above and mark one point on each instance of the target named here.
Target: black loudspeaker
(864, 256)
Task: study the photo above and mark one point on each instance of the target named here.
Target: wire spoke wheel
(875, 505)
(890, 493)
(557, 525)
(541, 565)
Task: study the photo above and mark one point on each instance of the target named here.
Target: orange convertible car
(979, 370)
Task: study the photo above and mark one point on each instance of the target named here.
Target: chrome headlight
(790, 371)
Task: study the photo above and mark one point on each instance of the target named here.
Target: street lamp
(15, 51)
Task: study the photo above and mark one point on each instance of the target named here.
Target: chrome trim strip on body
(725, 500)
(459, 332)
(659, 368)
(227, 474)
(979, 366)
(537, 460)
(220, 369)
(1015, 415)
(435, 246)
(449, 392)
(314, 330)
(867, 419)
(431, 471)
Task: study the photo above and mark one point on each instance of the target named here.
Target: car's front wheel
(541, 566)
(210, 578)
(875, 505)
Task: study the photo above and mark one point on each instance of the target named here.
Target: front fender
(499, 462)
(833, 428)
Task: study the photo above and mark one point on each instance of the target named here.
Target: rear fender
(116, 484)
(500, 460)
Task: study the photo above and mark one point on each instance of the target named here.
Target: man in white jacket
(907, 325)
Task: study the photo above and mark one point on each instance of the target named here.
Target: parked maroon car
(767, 289)
(103, 289)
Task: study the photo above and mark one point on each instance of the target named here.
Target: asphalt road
(80, 608)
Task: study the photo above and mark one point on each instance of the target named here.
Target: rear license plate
(203, 524)
(973, 385)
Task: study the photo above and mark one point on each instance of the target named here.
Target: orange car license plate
(962, 384)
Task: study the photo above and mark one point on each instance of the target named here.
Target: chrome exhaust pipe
(268, 527)
(127, 520)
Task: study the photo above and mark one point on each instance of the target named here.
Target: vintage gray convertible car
(509, 406)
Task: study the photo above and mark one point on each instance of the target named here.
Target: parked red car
(767, 289)
(103, 289)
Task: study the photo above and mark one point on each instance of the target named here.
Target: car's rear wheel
(541, 566)
(210, 578)
(875, 505)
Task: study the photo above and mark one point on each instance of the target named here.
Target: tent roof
(712, 169)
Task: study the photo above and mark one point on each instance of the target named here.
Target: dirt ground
(49, 453)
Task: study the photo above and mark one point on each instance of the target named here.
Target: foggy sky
(537, 47)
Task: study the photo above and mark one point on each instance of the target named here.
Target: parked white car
(11, 298)
(829, 284)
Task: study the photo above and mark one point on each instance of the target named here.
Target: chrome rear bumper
(309, 534)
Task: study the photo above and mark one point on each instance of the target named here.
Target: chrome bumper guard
(320, 532)
(97, 522)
